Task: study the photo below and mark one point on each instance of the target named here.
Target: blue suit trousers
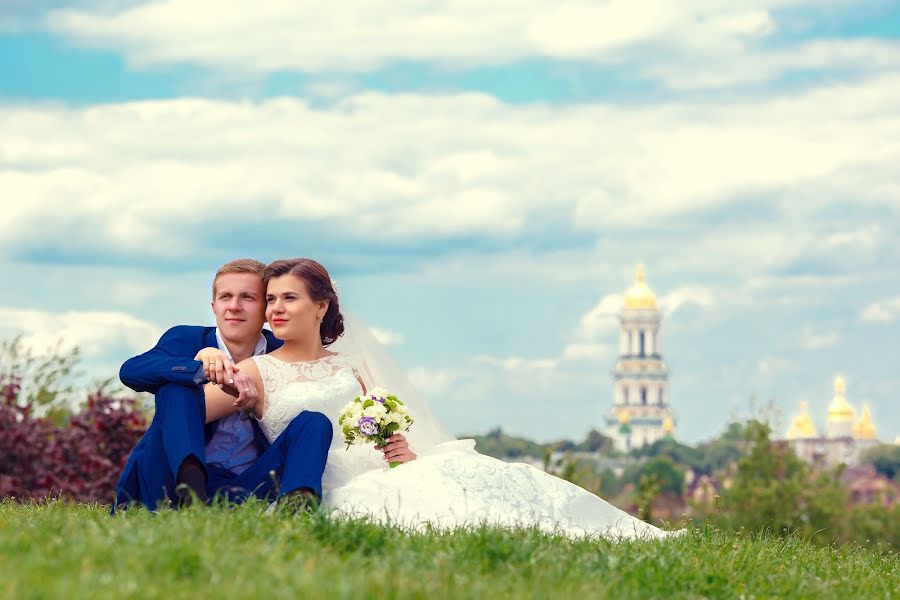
(296, 459)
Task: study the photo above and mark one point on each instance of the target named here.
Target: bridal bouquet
(373, 418)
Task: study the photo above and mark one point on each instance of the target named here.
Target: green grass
(57, 550)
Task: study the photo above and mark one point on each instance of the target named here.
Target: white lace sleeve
(269, 379)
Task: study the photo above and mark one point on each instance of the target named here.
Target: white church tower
(641, 412)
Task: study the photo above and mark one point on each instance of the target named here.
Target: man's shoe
(299, 501)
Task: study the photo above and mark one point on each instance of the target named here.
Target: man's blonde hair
(241, 265)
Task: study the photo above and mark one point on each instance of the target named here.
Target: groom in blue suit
(179, 458)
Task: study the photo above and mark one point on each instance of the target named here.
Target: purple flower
(367, 426)
(377, 399)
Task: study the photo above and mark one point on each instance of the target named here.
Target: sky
(481, 179)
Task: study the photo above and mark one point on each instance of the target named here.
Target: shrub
(81, 461)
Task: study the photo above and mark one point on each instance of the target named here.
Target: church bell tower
(641, 412)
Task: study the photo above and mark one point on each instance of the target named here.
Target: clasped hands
(220, 371)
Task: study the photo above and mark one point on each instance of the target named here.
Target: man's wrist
(200, 377)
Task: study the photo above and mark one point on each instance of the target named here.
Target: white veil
(376, 368)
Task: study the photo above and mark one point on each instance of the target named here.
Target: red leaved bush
(80, 461)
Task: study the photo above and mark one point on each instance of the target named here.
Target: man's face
(239, 306)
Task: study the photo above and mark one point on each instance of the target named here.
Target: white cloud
(739, 66)
(515, 363)
(811, 340)
(117, 176)
(603, 319)
(388, 338)
(687, 295)
(865, 237)
(769, 368)
(882, 311)
(95, 333)
(701, 38)
(524, 396)
(595, 353)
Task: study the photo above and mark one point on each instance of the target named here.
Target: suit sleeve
(170, 361)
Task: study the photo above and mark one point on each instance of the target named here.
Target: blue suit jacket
(172, 361)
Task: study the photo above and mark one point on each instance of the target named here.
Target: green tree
(716, 455)
(646, 491)
(772, 488)
(667, 477)
(500, 445)
(582, 473)
(873, 524)
(885, 458)
(596, 442)
(47, 380)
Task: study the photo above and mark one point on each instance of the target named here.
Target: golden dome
(668, 426)
(840, 410)
(864, 429)
(623, 417)
(640, 296)
(802, 426)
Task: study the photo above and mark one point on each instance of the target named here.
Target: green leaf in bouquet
(368, 403)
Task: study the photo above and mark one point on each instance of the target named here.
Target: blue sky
(481, 179)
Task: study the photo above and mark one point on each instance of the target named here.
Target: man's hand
(217, 366)
(397, 449)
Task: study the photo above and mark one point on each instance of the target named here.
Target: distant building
(867, 486)
(845, 436)
(641, 412)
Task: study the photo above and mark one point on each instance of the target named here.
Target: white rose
(379, 392)
(376, 411)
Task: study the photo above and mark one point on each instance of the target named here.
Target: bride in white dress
(443, 483)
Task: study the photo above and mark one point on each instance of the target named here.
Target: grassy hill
(67, 551)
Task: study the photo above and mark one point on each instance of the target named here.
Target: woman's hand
(244, 392)
(397, 449)
(243, 389)
(216, 365)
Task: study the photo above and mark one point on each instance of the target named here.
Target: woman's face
(290, 311)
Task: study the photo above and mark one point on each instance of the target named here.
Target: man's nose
(235, 305)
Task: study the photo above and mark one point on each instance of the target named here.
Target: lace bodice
(325, 385)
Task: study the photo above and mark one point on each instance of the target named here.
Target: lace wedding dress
(447, 486)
